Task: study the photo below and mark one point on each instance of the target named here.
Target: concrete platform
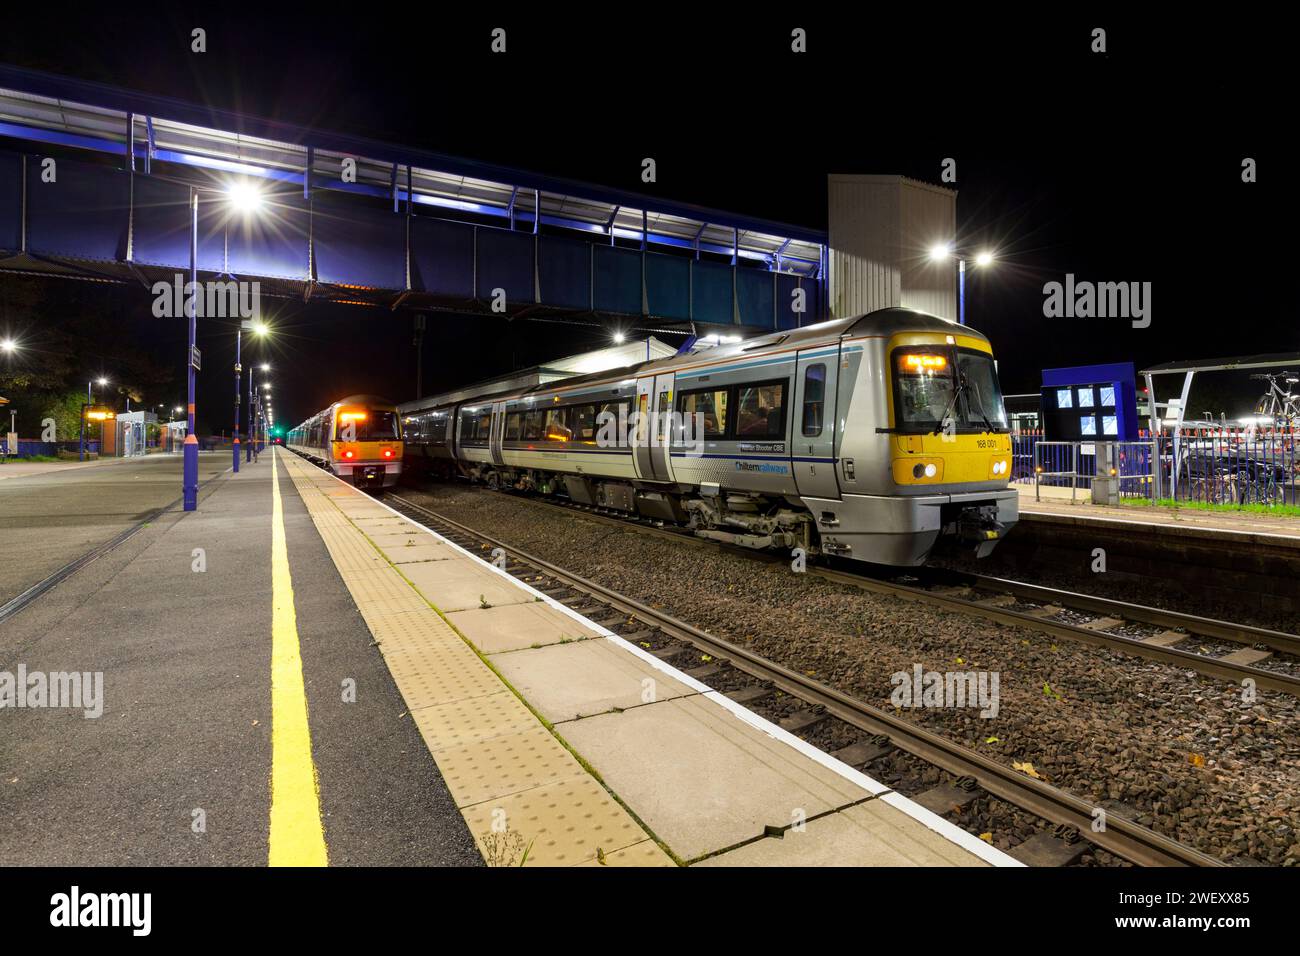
(563, 744)
(1242, 527)
(227, 704)
(52, 516)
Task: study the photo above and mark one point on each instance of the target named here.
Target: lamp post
(239, 378)
(983, 259)
(245, 197)
(90, 400)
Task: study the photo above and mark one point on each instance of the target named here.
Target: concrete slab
(458, 585)
(702, 779)
(418, 553)
(581, 679)
(868, 834)
(399, 538)
(512, 627)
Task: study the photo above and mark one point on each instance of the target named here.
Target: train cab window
(760, 410)
(372, 424)
(814, 399)
(711, 403)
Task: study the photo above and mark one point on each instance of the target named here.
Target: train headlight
(931, 471)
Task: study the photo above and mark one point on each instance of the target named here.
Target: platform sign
(196, 358)
(99, 413)
(1090, 403)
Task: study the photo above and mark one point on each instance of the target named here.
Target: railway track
(880, 730)
(1097, 620)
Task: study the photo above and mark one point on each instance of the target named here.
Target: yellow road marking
(297, 835)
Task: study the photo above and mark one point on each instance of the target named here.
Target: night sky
(1122, 167)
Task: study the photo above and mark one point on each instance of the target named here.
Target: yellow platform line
(297, 835)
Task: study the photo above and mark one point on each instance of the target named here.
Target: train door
(812, 433)
(496, 431)
(654, 402)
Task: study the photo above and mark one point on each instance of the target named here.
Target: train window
(514, 424)
(532, 425)
(484, 428)
(760, 410)
(814, 399)
(556, 427)
(582, 420)
(611, 418)
(711, 403)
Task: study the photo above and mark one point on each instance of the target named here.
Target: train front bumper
(377, 474)
(901, 530)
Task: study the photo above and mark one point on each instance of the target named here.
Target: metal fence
(1229, 466)
(1199, 463)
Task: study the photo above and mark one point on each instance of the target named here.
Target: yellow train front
(359, 439)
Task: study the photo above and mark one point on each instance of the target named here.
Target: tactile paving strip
(440, 675)
(471, 719)
(491, 769)
(518, 787)
(568, 822)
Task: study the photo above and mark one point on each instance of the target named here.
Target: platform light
(984, 259)
(266, 366)
(940, 251)
(101, 382)
(619, 338)
(9, 345)
(244, 196)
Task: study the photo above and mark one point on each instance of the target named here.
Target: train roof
(882, 322)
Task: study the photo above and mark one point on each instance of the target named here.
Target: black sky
(1123, 167)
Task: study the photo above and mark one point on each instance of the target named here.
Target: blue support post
(239, 376)
(961, 291)
(248, 450)
(190, 479)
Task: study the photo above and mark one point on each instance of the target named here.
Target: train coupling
(979, 526)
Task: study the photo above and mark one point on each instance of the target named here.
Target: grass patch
(29, 458)
(1288, 511)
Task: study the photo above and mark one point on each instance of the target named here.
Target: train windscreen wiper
(952, 403)
(979, 407)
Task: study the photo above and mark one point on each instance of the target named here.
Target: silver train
(868, 438)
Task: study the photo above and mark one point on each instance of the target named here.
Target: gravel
(1180, 753)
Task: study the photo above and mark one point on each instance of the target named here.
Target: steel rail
(1121, 836)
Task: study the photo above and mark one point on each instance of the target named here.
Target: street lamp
(9, 345)
(90, 400)
(983, 259)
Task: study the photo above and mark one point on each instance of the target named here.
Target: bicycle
(1276, 404)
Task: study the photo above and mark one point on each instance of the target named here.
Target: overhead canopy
(1269, 360)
